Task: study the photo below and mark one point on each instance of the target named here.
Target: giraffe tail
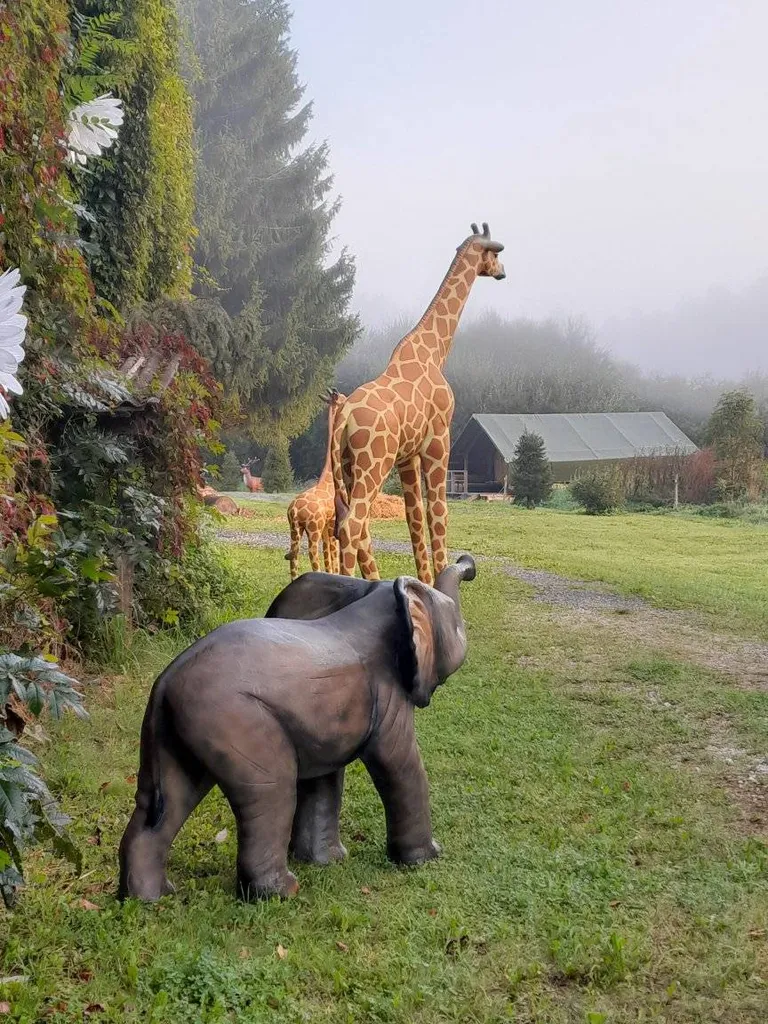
(340, 503)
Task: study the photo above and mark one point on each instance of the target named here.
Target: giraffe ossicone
(403, 419)
(313, 511)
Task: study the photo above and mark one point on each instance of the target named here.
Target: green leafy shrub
(191, 592)
(29, 815)
(598, 492)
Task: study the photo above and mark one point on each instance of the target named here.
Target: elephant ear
(418, 660)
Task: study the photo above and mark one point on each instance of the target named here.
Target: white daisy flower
(13, 326)
(93, 127)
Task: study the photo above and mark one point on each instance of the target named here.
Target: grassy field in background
(598, 864)
(718, 566)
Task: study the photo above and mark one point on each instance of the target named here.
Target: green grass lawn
(597, 864)
(719, 566)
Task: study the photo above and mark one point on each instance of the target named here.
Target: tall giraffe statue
(403, 418)
(312, 512)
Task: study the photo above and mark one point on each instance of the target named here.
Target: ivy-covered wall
(38, 225)
(142, 195)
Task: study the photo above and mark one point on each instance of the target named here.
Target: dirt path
(622, 619)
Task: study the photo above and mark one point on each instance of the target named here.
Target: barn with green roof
(575, 442)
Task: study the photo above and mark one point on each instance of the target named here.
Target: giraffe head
(490, 264)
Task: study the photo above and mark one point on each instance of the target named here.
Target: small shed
(482, 452)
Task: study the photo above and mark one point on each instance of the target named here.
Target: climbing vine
(142, 195)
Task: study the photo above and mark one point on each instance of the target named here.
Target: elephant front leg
(315, 836)
(401, 782)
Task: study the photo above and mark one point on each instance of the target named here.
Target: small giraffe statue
(403, 418)
(312, 512)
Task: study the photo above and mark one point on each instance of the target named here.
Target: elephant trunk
(449, 579)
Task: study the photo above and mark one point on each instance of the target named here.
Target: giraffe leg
(434, 460)
(330, 549)
(369, 570)
(327, 554)
(293, 554)
(314, 535)
(410, 477)
(354, 536)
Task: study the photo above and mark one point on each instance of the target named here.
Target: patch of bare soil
(745, 776)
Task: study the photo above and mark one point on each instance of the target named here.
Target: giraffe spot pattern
(403, 417)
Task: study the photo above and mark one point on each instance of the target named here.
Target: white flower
(93, 127)
(13, 325)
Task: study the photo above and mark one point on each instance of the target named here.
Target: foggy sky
(618, 148)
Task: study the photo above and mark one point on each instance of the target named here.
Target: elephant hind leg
(151, 830)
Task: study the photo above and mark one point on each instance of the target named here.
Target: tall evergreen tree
(531, 475)
(263, 207)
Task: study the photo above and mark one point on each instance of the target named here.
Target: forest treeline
(498, 365)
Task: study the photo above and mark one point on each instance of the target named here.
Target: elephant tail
(340, 502)
(153, 733)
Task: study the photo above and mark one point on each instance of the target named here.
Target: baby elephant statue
(272, 709)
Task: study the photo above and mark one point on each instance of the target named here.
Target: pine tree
(531, 475)
(278, 475)
(263, 206)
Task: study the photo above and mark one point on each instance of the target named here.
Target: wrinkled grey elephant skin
(272, 709)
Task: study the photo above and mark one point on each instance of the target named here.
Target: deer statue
(313, 511)
(253, 483)
(403, 419)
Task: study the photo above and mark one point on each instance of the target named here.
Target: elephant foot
(283, 885)
(318, 853)
(413, 855)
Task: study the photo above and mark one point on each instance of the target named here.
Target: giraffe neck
(437, 327)
(327, 468)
